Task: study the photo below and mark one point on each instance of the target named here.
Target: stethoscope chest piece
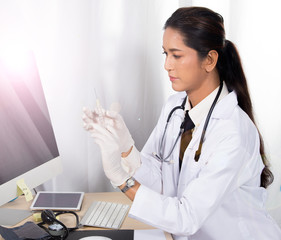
(56, 230)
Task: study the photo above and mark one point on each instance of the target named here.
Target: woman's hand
(112, 121)
(111, 156)
(116, 124)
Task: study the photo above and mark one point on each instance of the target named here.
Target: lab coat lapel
(225, 107)
(171, 135)
(175, 156)
(190, 168)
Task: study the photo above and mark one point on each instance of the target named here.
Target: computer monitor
(28, 148)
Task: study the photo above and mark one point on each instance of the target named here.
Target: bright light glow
(15, 57)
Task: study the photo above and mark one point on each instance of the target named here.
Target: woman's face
(182, 63)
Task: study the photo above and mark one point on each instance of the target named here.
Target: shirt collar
(200, 111)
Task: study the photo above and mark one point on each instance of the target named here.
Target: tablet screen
(57, 201)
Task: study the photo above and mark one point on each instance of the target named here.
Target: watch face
(130, 182)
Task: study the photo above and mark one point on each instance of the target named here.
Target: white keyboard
(105, 214)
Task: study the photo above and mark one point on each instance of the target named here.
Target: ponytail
(231, 71)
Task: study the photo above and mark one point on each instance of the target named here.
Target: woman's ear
(210, 61)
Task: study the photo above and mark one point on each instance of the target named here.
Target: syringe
(99, 109)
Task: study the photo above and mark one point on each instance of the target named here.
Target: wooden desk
(69, 220)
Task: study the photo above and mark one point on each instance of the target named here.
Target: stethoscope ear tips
(48, 216)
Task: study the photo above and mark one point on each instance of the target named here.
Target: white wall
(257, 32)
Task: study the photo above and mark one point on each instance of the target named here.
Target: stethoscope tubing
(198, 152)
(160, 157)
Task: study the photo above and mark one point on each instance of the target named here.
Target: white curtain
(114, 47)
(111, 47)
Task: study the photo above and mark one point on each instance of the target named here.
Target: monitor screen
(28, 148)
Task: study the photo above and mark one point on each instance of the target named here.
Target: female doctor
(211, 184)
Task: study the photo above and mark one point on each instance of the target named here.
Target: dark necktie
(188, 126)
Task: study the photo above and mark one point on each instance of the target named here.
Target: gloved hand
(125, 141)
(114, 123)
(118, 125)
(97, 116)
(110, 119)
(132, 162)
(111, 156)
(88, 118)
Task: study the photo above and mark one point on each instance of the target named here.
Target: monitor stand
(10, 217)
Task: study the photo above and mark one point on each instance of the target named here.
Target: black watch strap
(129, 183)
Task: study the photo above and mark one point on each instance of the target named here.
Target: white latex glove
(88, 118)
(110, 119)
(111, 156)
(114, 123)
(97, 116)
(132, 162)
(122, 133)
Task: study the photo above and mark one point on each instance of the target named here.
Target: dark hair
(203, 30)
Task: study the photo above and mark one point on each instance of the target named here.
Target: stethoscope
(160, 157)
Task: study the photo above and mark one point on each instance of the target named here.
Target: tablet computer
(71, 201)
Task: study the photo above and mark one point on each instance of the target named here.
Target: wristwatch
(129, 183)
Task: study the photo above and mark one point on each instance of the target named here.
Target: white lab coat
(216, 198)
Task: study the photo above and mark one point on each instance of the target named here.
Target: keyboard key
(108, 215)
(105, 214)
(90, 213)
(97, 214)
(120, 217)
(114, 216)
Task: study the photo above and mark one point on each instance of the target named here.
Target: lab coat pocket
(190, 169)
(194, 167)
